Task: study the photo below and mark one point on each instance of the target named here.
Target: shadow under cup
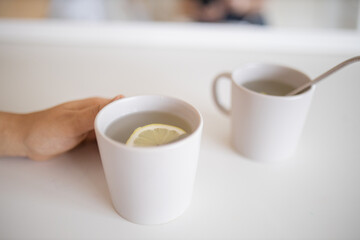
(150, 185)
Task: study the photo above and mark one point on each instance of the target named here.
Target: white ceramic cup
(265, 127)
(149, 185)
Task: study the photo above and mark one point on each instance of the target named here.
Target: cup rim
(309, 90)
(175, 144)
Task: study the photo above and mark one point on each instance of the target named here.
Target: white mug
(265, 127)
(150, 185)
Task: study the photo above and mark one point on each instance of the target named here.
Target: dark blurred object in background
(249, 11)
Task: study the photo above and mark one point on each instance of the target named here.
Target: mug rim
(307, 91)
(175, 144)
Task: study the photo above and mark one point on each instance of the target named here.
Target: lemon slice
(154, 135)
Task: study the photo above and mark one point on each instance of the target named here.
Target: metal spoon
(324, 75)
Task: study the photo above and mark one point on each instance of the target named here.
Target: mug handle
(226, 76)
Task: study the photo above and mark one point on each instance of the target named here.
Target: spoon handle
(324, 75)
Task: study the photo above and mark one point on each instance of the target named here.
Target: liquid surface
(269, 87)
(121, 129)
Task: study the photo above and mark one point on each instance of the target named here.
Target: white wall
(313, 13)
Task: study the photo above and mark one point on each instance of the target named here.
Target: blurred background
(313, 14)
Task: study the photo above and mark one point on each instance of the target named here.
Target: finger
(91, 136)
(84, 119)
(84, 103)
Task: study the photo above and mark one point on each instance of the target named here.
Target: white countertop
(314, 195)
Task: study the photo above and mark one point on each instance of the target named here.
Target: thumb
(84, 119)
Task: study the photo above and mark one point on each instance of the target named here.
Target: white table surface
(314, 195)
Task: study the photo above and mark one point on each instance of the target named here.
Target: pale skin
(45, 134)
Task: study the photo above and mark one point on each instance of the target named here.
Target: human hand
(45, 134)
